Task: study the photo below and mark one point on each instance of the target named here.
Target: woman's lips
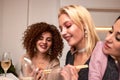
(67, 38)
(106, 46)
(43, 46)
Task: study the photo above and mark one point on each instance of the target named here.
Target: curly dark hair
(33, 33)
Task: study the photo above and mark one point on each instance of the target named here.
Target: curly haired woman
(44, 45)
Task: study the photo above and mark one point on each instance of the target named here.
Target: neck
(79, 50)
(41, 55)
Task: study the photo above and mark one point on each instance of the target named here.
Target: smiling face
(44, 43)
(70, 31)
(112, 41)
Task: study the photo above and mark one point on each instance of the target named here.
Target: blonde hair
(80, 16)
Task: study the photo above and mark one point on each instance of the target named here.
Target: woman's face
(112, 41)
(70, 31)
(44, 43)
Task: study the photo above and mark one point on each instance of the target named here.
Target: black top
(111, 72)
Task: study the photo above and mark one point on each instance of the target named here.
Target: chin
(70, 44)
(43, 51)
(106, 51)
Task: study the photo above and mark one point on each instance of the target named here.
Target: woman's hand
(69, 72)
(38, 74)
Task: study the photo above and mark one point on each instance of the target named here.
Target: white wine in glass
(6, 62)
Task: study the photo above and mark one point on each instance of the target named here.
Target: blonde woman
(78, 29)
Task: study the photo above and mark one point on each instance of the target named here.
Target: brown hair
(32, 34)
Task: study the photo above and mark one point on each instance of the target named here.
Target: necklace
(79, 50)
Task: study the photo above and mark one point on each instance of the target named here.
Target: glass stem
(5, 72)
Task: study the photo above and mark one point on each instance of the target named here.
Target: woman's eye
(68, 24)
(41, 38)
(110, 32)
(118, 36)
(49, 40)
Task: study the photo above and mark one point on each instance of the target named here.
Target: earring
(85, 31)
(35, 50)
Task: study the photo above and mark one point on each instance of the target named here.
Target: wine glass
(6, 61)
(26, 69)
(54, 74)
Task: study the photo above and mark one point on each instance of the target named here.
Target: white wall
(13, 19)
(93, 3)
(100, 18)
(43, 10)
(14, 23)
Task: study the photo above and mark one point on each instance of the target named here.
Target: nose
(63, 31)
(109, 37)
(44, 41)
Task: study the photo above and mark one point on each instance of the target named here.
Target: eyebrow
(63, 24)
(118, 32)
(112, 27)
(66, 22)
